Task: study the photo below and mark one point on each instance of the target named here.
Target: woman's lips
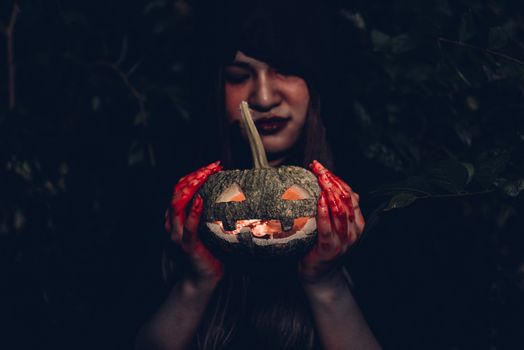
(272, 125)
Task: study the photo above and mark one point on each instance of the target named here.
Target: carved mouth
(267, 229)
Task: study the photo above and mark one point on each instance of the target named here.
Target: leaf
(401, 200)
(451, 175)
(136, 154)
(402, 43)
(497, 38)
(464, 133)
(513, 188)
(471, 171)
(467, 29)
(381, 41)
(123, 51)
(363, 116)
(95, 103)
(174, 95)
(141, 119)
(415, 185)
(505, 213)
(490, 165)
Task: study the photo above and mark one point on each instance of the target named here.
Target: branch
(8, 32)
(125, 79)
(458, 195)
(477, 48)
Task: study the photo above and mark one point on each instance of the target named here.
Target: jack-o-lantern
(263, 212)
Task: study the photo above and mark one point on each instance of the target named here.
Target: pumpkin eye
(294, 193)
(232, 194)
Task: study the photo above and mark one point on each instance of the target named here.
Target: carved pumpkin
(265, 212)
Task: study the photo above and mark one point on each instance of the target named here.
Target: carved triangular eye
(232, 194)
(294, 193)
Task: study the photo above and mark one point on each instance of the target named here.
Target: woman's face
(279, 103)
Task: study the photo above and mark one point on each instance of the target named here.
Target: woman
(302, 305)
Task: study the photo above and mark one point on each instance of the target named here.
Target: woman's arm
(340, 223)
(338, 318)
(175, 323)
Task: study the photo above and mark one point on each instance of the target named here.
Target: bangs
(287, 35)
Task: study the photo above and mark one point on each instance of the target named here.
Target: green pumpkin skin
(263, 189)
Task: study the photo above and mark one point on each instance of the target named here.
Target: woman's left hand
(339, 225)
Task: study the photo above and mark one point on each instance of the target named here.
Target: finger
(338, 211)
(201, 174)
(317, 168)
(346, 195)
(344, 188)
(193, 219)
(357, 226)
(325, 232)
(185, 190)
(178, 226)
(323, 221)
(197, 177)
(335, 199)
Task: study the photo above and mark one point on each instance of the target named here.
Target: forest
(101, 113)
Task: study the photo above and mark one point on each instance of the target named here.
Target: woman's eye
(236, 77)
(282, 72)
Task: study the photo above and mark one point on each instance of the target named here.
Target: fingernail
(213, 165)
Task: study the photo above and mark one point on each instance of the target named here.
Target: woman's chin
(274, 147)
(276, 156)
(279, 142)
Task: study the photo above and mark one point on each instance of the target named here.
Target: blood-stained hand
(182, 224)
(339, 225)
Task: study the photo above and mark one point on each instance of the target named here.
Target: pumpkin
(262, 212)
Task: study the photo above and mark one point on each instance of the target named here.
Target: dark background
(97, 122)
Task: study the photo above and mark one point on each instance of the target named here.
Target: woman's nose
(265, 94)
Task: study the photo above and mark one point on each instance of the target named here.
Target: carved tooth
(286, 223)
(246, 239)
(229, 225)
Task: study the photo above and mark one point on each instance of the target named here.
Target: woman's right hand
(182, 225)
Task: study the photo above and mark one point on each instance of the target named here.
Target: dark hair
(258, 307)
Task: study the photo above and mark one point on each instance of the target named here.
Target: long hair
(258, 307)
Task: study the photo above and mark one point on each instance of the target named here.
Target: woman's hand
(338, 318)
(339, 225)
(183, 226)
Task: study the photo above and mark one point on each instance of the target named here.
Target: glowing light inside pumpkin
(232, 194)
(294, 193)
(265, 228)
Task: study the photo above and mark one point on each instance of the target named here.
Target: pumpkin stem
(253, 137)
